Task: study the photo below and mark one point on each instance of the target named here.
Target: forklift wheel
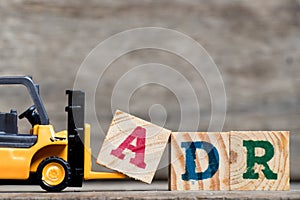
(54, 174)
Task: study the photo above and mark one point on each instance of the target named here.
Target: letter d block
(199, 161)
(259, 160)
(133, 146)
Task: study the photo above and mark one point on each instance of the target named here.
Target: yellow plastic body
(17, 163)
(88, 173)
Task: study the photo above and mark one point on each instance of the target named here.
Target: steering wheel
(27, 113)
(32, 116)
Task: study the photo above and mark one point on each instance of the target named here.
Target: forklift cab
(36, 114)
(41, 155)
(9, 136)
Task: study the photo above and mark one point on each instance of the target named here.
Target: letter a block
(199, 161)
(259, 160)
(133, 146)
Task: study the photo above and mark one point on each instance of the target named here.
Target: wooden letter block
(259, 160)
(199, 161)
(133, 146)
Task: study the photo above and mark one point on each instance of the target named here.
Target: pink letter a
(140, 134)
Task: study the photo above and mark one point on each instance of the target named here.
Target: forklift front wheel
(54, 174)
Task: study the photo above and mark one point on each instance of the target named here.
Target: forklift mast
(75, 110)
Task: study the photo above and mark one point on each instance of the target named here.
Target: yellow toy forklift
(54, 160)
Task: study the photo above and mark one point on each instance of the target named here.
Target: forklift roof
(33, 90)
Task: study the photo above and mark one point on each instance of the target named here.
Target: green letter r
(252, 159)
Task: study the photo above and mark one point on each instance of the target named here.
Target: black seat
(9, 136)
(17, 140)
(8, 122)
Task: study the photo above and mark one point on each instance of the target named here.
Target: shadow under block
(133, 146)
(199, 161)
(259, 160)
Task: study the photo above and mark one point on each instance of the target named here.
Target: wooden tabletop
(137, 190)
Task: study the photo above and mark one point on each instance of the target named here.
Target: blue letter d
(190, 156)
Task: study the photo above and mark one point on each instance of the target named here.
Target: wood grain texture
(122, 127)
(219, 181)
(279, 163)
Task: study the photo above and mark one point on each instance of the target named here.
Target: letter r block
(133, 146)
(199, 161)
(259, 160)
